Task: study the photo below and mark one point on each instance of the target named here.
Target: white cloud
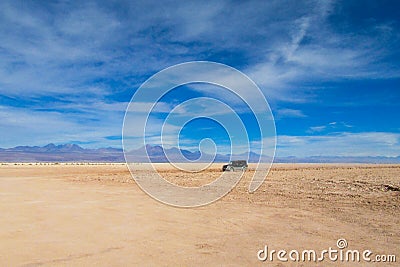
(146, 107)
(30, 127)
(289, 113)
(317, 129)
(333, 126)
(340, 144)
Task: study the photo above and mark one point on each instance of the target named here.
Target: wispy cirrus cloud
(291, 113)
(333, 126)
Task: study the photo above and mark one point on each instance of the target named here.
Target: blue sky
(329, 69)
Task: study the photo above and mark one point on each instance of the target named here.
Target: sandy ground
(80, 215)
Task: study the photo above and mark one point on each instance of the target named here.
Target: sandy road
(95, 215)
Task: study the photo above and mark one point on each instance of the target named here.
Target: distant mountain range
(60, 153)
(75, 153)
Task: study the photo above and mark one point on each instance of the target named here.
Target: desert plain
(95, 214)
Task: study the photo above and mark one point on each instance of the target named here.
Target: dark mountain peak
(58, 148)
(47, 148)
(154, 150)
(51, 145)
(69, 148)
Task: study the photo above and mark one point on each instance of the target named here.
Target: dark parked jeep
(235, 165)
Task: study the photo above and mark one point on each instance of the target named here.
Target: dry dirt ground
(83, 215)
